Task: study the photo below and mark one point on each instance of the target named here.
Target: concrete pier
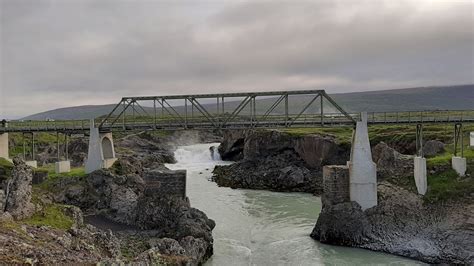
(32, 163)
(459, 165)
(362, 170)
(4, 146)
(101, 152)
(471, 139)
(335, 184)
(62, 167)
(420, 175)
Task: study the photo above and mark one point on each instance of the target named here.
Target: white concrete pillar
(362, 170)
(420, 175)
(62, 167)
(471, 141)
(33, 163)
(4, 146)
(459, 165)
(101, 153)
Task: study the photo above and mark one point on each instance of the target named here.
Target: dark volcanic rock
(433, 147)
(276, 161)
(130, 200)
(390, 163)
(282, 172)
(18, 191)
(232, 146)
(402, 224)
(342, 224)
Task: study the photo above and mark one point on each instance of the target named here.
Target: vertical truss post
(67, 146)
(458, 139)
(124, 114)
(32, 146)
(419, 140)
(154, 113)
(223, 110)
(286, 110)
(185, 113)
(24, 147)
(322, 112)
(133, 113)
(57, 145)
(252, 110)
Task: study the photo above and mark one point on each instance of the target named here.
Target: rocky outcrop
(401, 224)
(276, 161)
(433, 147)
(150, 213)
(232, 145)
(18, 191)
(390, 163)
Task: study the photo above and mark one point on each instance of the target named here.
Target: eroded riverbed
(262, 227)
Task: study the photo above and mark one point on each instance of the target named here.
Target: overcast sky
(76, 52)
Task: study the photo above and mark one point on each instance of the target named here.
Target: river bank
(155, 227)
(429, 228)
(259, 227)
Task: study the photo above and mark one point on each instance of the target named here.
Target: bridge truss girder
(209, 111)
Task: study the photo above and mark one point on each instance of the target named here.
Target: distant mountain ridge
(412, 99)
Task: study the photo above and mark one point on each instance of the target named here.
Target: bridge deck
(240, 122)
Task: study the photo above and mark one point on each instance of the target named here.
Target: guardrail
(241, 121)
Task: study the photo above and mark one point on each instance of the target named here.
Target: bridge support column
(471, 142)
(4, 146)
(362, 170)
(420, 174)
(32, 163)
(62, 167)
(459, 165)
(101, 152)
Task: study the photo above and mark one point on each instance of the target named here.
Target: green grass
(5, 169)
(448, 186)
(342, 135)
(52, 178)
(53, 216)
(445, 158)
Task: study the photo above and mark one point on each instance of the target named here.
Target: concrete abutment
(62, 167)
(4, 146)
(362, 170)
(420, 175)
(101, 153)
(459, 165)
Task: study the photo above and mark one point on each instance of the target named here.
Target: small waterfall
(199, 153)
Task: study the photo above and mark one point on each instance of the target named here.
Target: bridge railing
(437, 116)
(49, 125)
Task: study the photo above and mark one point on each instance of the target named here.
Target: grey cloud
(62, 53)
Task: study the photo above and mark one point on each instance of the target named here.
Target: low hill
(411, 99)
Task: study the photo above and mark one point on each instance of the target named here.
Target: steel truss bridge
(280, 109)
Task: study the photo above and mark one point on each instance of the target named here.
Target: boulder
(277, 161)
(342, 224)
(390, 163)
(433, 147)
(260, 144)
(197, 249)
(318, 151)
(18, 191)
(232, 145)
(401, 224)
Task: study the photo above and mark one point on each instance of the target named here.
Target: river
(256, 227)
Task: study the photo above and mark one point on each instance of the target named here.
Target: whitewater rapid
(256, 227)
